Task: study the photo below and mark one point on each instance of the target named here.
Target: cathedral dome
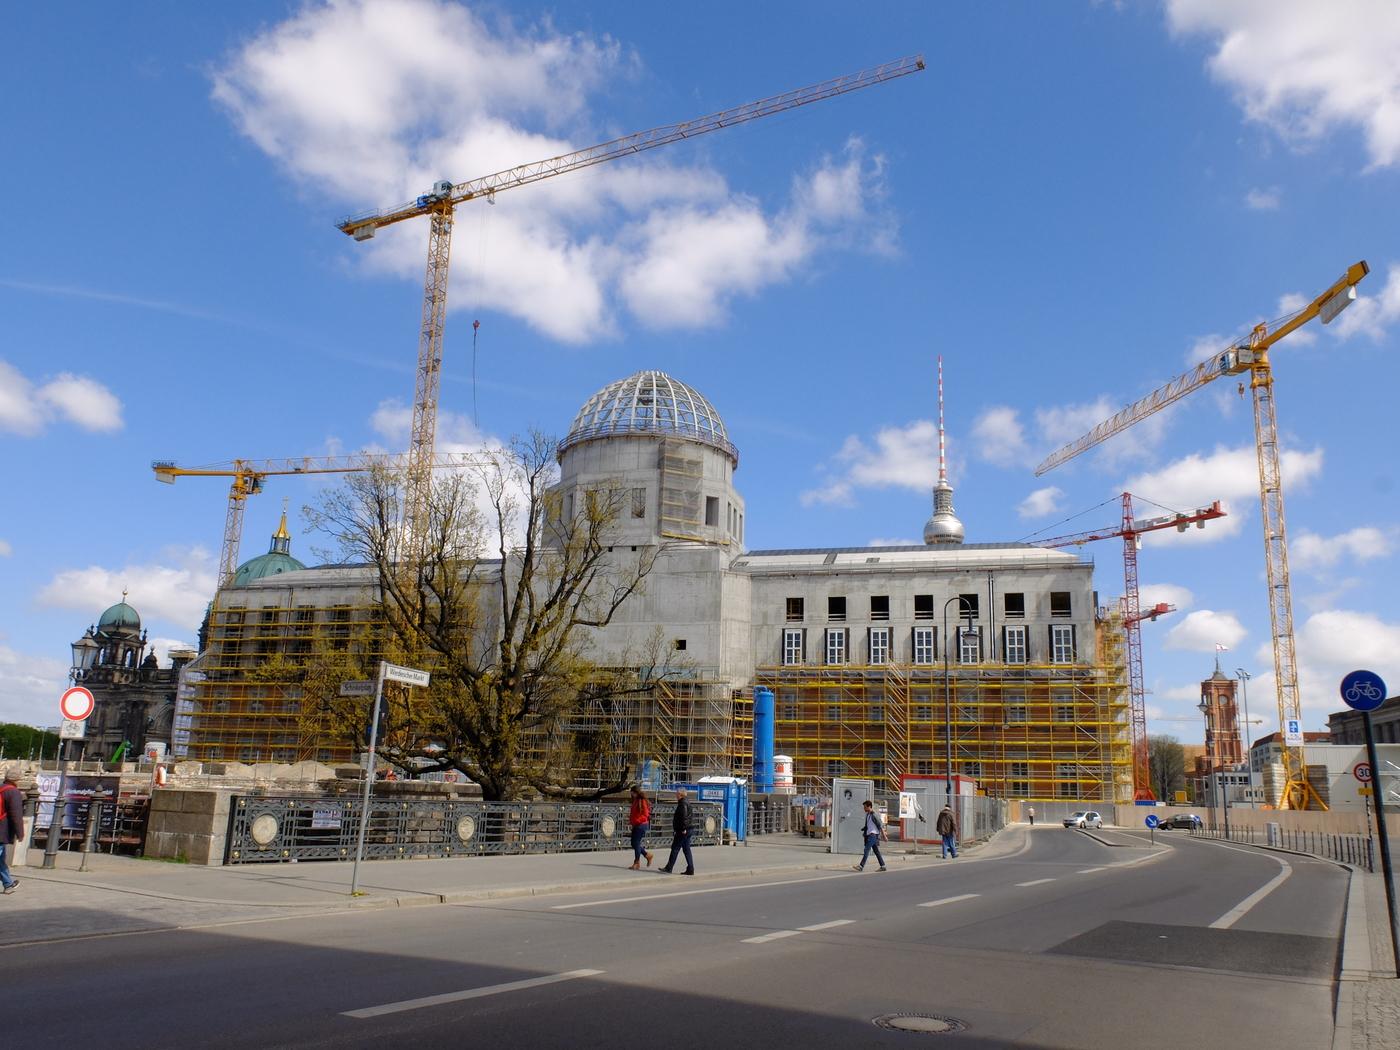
(649, 403)
(120, 615)
(277, 560)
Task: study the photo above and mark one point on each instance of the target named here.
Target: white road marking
(1239, 911)
(950, 900)
(1088, 871)
(692, 893)
(1034, 882)
(470, 993)
(826, 925)
(776, 935)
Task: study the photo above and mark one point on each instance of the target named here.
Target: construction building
(883, 660)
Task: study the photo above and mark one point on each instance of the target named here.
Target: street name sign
(360, 688)
(407, 675)
(75, 704)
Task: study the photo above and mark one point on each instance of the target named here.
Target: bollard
(94, 821)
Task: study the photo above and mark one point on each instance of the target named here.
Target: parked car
(1181, 821)
(1084, 819)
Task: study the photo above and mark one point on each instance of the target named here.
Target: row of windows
(1013, 606)
(923, 645)
(874, 711)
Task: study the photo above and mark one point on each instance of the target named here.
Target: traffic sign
(72, 729)
(407, 675)
(1362, 772)
(1152, 820)
(76, 703)
(1363, 690)
(1293, 733)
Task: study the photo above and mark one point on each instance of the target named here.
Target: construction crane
(439, 203)
(1251, 354)
(1132, 529)
(248, 476)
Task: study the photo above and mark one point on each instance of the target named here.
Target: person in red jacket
(639, 820)
(11, 826)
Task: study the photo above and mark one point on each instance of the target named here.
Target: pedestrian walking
(874, 832)
(11, 826)
(639, 820)
(1030, 813)
(680, 835)
(947, 826)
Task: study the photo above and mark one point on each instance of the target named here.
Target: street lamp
(948, 698)
(1244, 677)
(85, 651)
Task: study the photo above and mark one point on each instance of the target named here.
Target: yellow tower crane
(1252, 355)
(441, 201)
(248, 476)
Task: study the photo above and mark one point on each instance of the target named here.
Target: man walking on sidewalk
(680, 835)
(947, 826)
(874, 832)
(1030, 812)
(11, 826)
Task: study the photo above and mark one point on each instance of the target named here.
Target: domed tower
(944, 527)
(665, 446)
(118, 634)
(277, 559)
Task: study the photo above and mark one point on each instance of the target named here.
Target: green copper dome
(277, 560)
(120, 615)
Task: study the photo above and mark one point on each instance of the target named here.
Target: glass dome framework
(649, 402)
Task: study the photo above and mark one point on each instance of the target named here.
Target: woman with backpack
(639, 820)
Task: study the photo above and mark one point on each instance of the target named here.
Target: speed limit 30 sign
(1362, 772)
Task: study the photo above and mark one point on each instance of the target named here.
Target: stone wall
(188, 824)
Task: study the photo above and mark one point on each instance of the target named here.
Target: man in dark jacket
(11, 826)
(680, 835)
(947, 827)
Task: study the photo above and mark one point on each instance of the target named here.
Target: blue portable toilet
(733, 795)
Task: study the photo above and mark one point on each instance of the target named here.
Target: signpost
(74, 706)
(1151, 821)
(393, 672)
(1364, 691)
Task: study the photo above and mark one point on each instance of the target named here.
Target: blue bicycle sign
(1363, 690)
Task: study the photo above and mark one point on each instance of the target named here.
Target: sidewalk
(1375, 1004)
(119, 895)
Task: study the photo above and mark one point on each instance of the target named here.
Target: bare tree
(1168, 761)
(498, 600)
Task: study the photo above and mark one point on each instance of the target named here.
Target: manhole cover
(923, 1024)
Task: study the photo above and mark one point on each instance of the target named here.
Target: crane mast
(439, 204)
(1252, 355)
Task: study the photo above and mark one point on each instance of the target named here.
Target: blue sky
(1073, 203)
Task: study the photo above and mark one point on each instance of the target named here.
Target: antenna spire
(944, 527)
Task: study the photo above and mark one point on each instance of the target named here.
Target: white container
(782, 774)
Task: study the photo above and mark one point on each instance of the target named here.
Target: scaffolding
(1034, 732)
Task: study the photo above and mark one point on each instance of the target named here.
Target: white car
(1084, 819)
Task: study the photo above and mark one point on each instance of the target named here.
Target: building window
(1021, 788)
(967, 713)
(794, 610)
(1062, 643)
(877, 769)
(923, 713)
(923, 607)
(969, 645)
(1016, 713)
(639, 503)
(1064, 712)
(833, 712)
(1015, 605)
(924, 645)
(879, 607)
(788, 712)
(794, 646)
(833, 767)
(679, 645)
(967, 605)
(879, 645)
(877, 712)
(711, 510)
(836, 645)
(836, 608)
(972, 769)
(1013, 643)
(1021, 769)
(1067, 790)
(1060, 603)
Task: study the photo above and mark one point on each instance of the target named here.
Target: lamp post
(1244, 677)
(948, 698)
(85, 651)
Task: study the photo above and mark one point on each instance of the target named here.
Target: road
(1062, 940)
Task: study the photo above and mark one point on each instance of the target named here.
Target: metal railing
(773, 817)
(1358, 850)
(263, 828)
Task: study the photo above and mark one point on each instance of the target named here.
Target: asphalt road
(1061, 941)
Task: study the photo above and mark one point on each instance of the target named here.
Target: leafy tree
(1168, 760)
(21, 741)
(498, 598)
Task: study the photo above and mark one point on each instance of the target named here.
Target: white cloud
(895, 543)
(1149, 594)
(1305, 68)
(998, 437)
(900, 457)
(370, 102)
(1371, 315)
(30, 686)
(5, 549)
(175, 590)
(1308, 550)
(1328, 645)
(1041, 502)
(1230, 475)
(162, 647)
(1190, 691)
(1061, 424)
(1202, 629)
(1258, 199)
(26, 409)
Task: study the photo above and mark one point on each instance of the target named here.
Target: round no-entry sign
(1362, 772)
(75, 704)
